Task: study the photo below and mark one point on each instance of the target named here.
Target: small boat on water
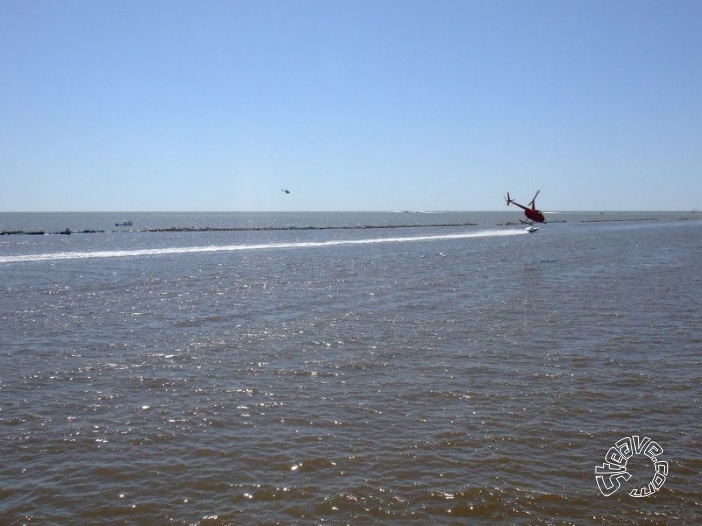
(531, 229)
(126, 222)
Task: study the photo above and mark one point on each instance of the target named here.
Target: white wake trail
(58, 256)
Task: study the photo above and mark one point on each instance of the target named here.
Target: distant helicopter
(533, 215)
(285, 191)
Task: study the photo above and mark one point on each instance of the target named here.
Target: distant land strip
(43, 233)
(226, 229)
(274, 228)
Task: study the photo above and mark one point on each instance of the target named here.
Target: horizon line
(590, 211)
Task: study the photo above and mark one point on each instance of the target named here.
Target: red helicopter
(533, 215)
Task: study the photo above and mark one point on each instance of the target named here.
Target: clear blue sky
(351, 105)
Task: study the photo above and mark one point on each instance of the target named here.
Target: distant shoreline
(229, 229)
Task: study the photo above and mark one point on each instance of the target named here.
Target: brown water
(438, 375)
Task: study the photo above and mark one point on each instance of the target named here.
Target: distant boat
(531, 229)
(126, 222)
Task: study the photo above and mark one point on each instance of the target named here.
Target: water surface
(409, 375)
